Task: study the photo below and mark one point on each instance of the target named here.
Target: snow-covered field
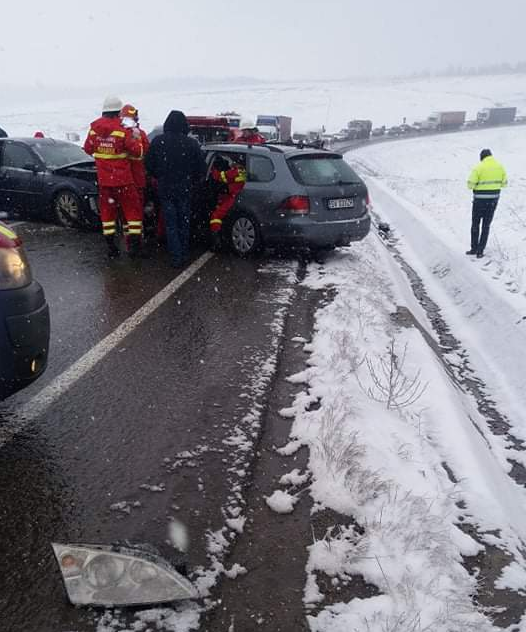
(419, 186)
(311, 104)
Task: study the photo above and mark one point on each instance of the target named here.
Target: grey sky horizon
(100, 43)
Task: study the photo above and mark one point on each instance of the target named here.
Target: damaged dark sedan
(43, 178)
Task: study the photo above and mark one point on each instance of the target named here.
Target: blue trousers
(175, 208)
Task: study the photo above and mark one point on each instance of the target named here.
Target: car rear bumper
(24, 337)
(303, 231)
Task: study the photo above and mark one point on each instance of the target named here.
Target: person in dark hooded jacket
(176, 161)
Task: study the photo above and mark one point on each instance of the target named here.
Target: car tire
(67, 209)
(245, 235)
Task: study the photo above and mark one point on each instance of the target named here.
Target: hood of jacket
(176, 123)
(103, 126)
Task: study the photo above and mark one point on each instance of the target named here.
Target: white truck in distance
(439, 121)
(278, 128)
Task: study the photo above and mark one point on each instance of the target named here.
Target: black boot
(135, 249)
(113, 249)
(216, 242)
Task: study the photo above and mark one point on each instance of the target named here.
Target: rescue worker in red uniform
(251, 137)
(130, 120)
(232, 177)
(248, 133)
(112, 145)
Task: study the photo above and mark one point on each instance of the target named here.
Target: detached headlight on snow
(14, 268)
(118, 576)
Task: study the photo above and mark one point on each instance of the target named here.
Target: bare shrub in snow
(390, 385)
(342, 453)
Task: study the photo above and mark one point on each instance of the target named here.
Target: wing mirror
(31, 166)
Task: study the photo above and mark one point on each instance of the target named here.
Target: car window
(231, 158)
(321, 170)
(17, 156)
(59, 154)
(260, 169)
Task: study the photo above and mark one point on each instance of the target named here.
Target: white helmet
(112, 104)
(247, 123)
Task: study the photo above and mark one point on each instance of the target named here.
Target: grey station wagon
(294, 197)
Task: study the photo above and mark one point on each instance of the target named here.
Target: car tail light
(297, 205)
(368, 203)
(14, 266)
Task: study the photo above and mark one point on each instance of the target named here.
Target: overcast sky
(94, 42)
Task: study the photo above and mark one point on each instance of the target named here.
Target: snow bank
(380, 459)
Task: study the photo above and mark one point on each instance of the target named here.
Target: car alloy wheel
(67, 209)
(244, 235)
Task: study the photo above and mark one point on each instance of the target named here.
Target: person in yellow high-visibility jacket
(486, 181)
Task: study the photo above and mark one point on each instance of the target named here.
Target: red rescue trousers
(125, 199)
(224, 203)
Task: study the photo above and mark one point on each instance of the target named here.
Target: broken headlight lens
(118, 576)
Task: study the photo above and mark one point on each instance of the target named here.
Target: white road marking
(53, 391)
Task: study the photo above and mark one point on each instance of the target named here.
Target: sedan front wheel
(67, 208)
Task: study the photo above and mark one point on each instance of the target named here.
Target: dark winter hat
(176, 123)
(485, 153)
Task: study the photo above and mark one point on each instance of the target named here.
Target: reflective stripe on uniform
(92, 132)
(485, 196)
(483, 182)
(118, 134)
(7, 233)
(223, 176)
(133, 158)
(216, 221)
(110, 156)
(134, 227)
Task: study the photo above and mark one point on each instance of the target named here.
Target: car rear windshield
(321, 170)
(58, 154)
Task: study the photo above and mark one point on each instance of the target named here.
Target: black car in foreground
(24, 318)
(43, 178)
(297, 197)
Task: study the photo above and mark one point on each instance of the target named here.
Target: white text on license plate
(341, 203)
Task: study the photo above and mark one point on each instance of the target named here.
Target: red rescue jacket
(112, 145)
(137, 163)
(234, 178)
(252, 138)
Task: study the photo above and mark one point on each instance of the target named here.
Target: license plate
(341, 203)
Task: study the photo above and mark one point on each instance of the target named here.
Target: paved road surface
(194, 377)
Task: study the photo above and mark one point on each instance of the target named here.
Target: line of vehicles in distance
(451, 120)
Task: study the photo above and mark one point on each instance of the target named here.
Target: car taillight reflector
(297, 204)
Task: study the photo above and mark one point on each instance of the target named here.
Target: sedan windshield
(316, 170)
(59, 154)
